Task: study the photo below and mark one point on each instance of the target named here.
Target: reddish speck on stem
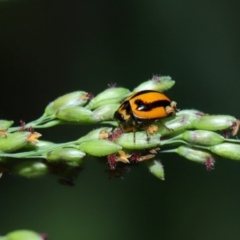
(31, 129)
(135, 157)
(156, 78)
(226, 133)
(89, 96)
(112, 161)
(209, 164)
(44, 236)
(22, 126)
(112, 137)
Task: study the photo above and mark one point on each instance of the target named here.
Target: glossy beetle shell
(142, 108)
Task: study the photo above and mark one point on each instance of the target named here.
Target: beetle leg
(169, 129)
(148, 137)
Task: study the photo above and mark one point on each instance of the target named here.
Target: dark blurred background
(48, 49)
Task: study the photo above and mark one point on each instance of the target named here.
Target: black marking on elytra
(145, 107)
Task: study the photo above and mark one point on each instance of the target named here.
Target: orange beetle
(143, 108)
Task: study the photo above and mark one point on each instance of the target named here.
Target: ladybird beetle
(143, 108)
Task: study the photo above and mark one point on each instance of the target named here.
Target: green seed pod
(193, 112)
(193, 154)
(78, 98)
(30, 169)
(202, 137)
(156, 168)
(14, 141)
(227, 150)
(214, 123)
(39, 145)
(76, 114)
(105, 112)
(22, 235)
(95, 134)
(160, 84)
(4, 124)
(109, 96)
(69, 155)
(99, 148)
(174, 124)
(126, 140)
